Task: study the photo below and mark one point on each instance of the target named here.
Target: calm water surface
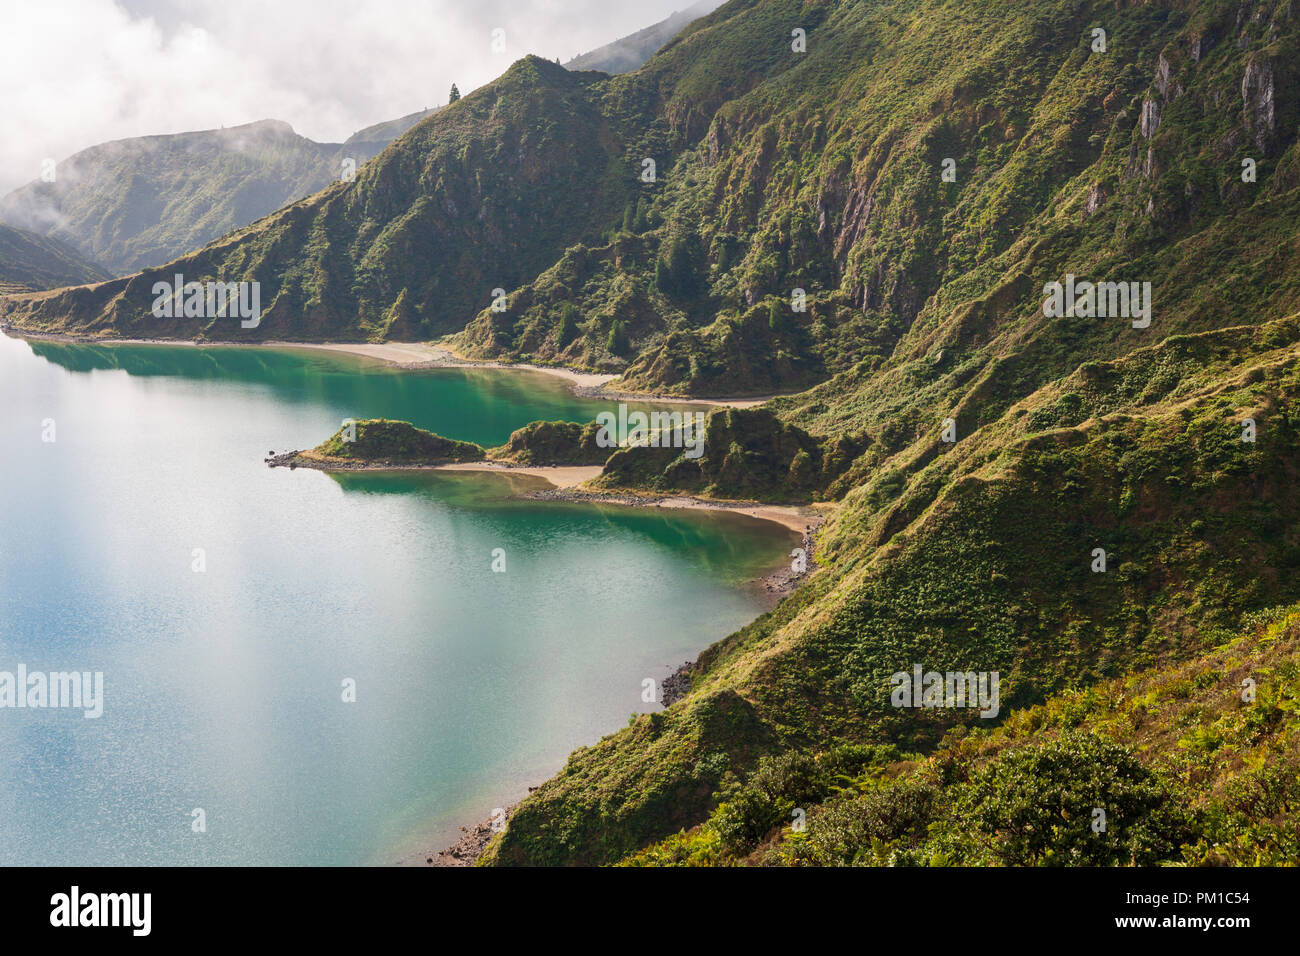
(223, 687)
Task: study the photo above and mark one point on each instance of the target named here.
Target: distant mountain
(140, 202)
(485, 194)
(35, 262)
(385, 133)
(629, 53)
(136, 203)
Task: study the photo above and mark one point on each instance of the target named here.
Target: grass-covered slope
(978, 556)
(820, 171)
(824, 172)
(29, 261)
(980, 451)
(140, 202)
(1196, 764)
(479, 196)
(380, 442)
(1071, 434)
(747, 453)
(554, 443)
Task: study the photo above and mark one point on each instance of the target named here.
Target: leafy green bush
(1039, 806)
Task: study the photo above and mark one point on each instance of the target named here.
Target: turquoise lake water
(223, 687)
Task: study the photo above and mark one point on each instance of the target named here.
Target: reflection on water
(468, 404)
(223, 686)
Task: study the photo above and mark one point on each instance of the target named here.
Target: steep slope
(141, 202)
(630, 52)
(479, 196)
(487, 194)
(981, 556)
(828, 176)
(1197, 764)
(33, 262)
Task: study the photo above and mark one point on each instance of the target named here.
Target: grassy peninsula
(380, 443)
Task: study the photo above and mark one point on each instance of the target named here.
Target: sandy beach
(425, 355)
(589, 383)
(565, 477)
(594, 384)
(417, 355)
(561, 476)
(798, 518)
(566, 483)
(792, 516)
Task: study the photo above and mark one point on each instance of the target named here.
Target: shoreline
(467, 850)
(566, 485)
(415, 356)
(565, 481)
(800, 519)
(559, 476)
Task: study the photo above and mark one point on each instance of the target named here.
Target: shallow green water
(223, 686)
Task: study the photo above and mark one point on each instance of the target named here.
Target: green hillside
(978, 558)
(29, 261)
(380, 441)
(1197, 764)
(140, 202)
(479, 196)
(980, 450)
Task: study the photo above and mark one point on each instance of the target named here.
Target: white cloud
(81, 72)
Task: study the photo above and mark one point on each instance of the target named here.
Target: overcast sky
(79, 72)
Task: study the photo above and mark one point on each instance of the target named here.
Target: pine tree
(568, 330)
(618, 343)
(663, 281)
(775, 316)
(454, 95)
(724, 258)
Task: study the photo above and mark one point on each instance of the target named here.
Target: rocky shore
(298, 459)
(467, 850)
(780, 583)
(785, 579)
(676, 685)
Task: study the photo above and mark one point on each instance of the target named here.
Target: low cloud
(82, 72)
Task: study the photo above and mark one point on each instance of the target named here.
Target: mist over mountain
(143, 201)
(630, 52)
(29, 261)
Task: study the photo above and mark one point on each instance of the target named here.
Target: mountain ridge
(32, 262)
(631, 52)
(140, 201)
